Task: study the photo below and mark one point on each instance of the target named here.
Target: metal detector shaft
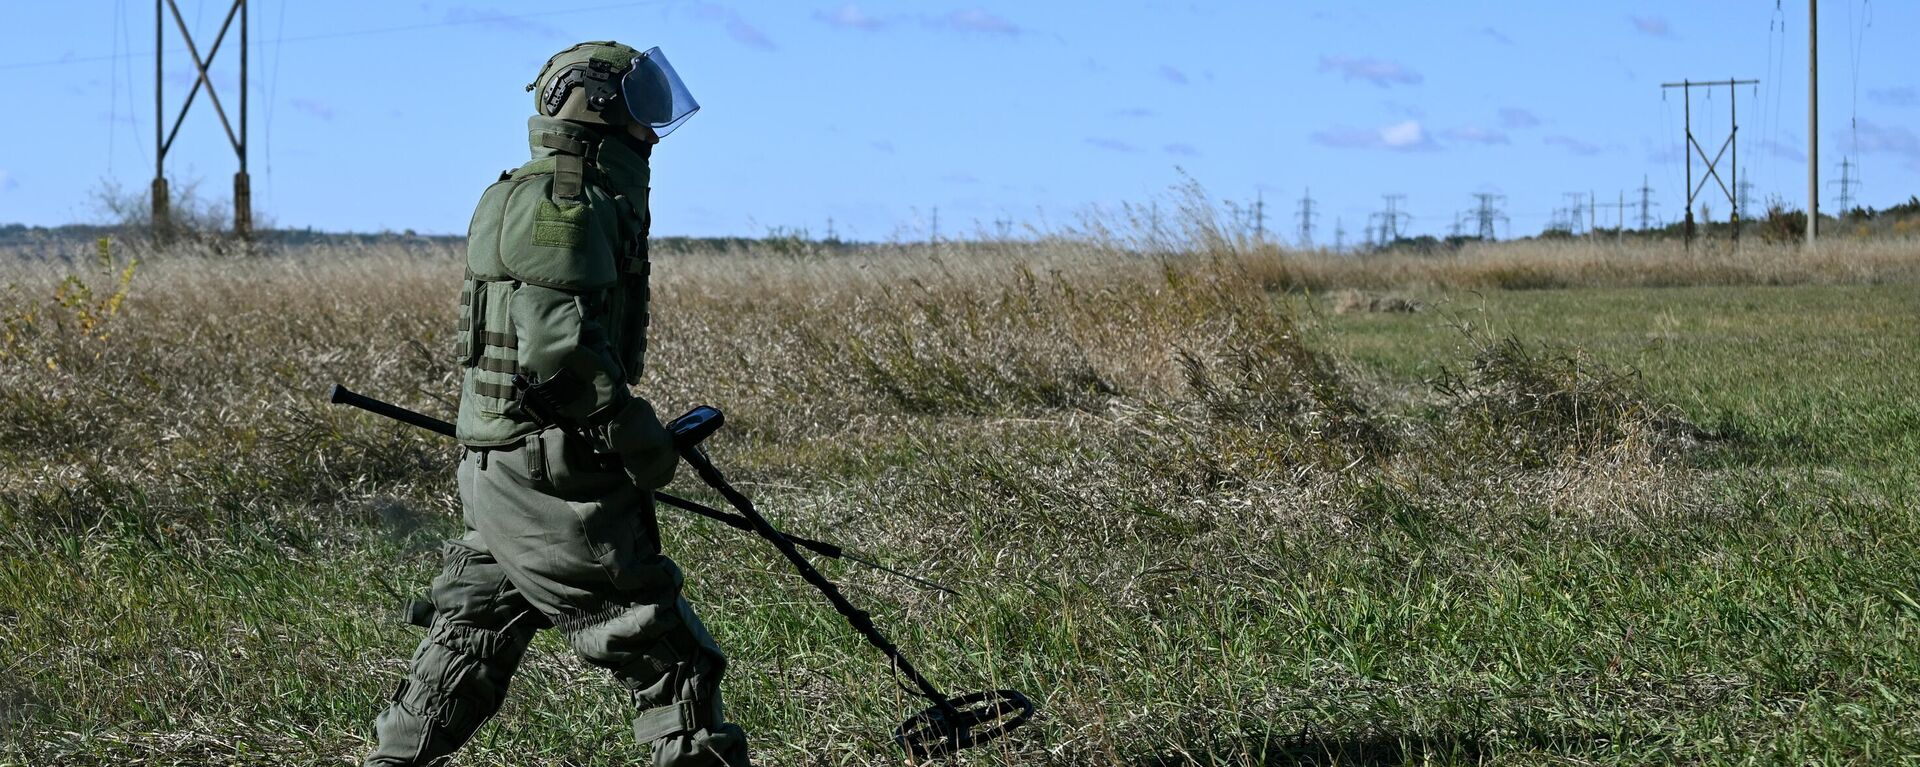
(861, 620)
(344, 396)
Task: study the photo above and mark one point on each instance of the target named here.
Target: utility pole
(1813, 120)
(1620, 208)
(1693, 147)
(934, 235)
(1646, 204)
(1306, 219)
(242, 184)
(1484, 213)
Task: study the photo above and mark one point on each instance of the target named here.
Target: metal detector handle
(341, 395)
(862, 622)
(950, 724)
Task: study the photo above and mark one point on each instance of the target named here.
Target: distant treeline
(21, 236)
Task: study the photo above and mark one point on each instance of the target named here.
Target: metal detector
(951, 723)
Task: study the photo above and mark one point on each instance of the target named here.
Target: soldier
(560, 527)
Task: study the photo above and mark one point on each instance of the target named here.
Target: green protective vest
(574, 219)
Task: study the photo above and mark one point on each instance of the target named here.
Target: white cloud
(1404, 136)
(1380, 72)
(1574, 145)
(1652, 26)
(736, 25)
(850, 16)
(979, 20)
(1515, 118)
(1476, 134)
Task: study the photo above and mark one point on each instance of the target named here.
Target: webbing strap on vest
(494, 390)
(566, 144)
(569, 176)
(497, 365)
(677, 718)
(502, 340)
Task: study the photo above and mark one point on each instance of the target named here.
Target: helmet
(580, 82)
(607, 83)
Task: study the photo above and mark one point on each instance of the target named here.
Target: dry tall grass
(1143, 463)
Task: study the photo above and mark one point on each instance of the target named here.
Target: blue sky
(370, 115)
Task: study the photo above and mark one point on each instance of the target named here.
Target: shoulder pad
(559, 244)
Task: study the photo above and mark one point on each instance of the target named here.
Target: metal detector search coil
(963, 722)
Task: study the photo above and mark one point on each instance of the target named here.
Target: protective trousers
(556, 538)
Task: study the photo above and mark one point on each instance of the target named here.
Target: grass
(1198, 512)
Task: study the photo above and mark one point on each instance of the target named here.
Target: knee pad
(460, 673)
(723, 744)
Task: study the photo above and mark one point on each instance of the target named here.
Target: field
(1583, 505)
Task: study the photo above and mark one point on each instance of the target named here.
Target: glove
(643, 444)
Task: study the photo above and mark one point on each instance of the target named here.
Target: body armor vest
(563, 221)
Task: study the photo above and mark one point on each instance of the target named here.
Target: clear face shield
(655, 95)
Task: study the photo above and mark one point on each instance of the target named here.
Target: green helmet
(581, 82)
(586, 82)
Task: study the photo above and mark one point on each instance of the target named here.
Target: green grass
(1199, 526)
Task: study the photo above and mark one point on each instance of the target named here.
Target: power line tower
(1391, 217)
(933, 237)
(1259, 216)
(1486, 212)
(1646, 205)
(1846, 182)
(1339, 235)
(1694, 148)
(1307, 215)
(1745, 188)
(1574, 210)
(242, 184)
